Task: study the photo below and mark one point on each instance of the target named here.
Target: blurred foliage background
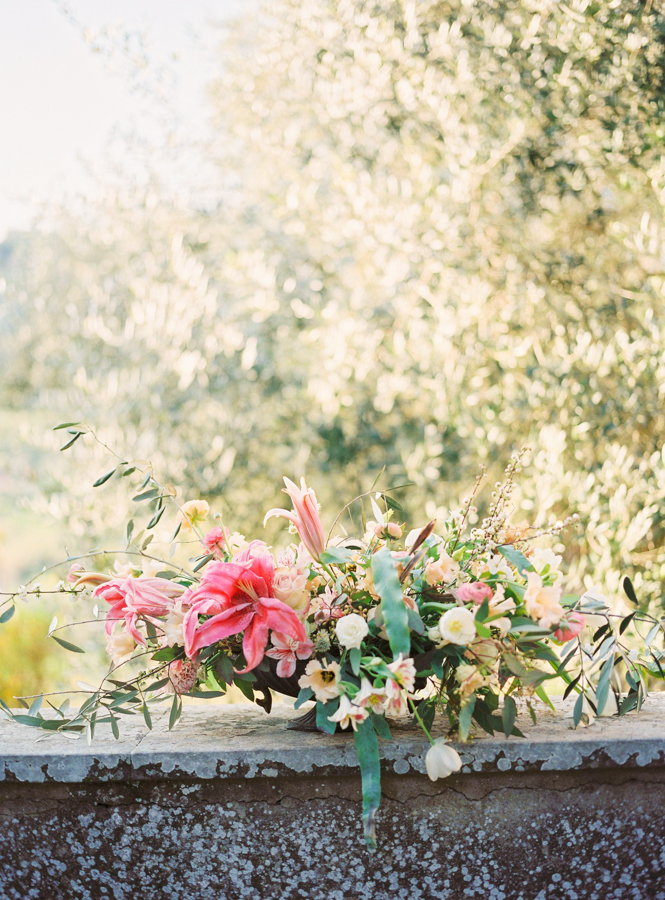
(419, 235)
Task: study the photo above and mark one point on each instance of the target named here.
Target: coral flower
(569, 627)
(131, 598)
(305, 516)
(239, 597)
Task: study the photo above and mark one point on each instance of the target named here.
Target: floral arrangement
(372, 628)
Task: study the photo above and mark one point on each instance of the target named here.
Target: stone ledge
(229, 742)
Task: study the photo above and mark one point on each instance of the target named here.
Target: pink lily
(286, 649)
(132, 598)
(305, 518)
(238, 596)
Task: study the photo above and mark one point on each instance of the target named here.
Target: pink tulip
(475, 591)
(305, 518)
(569, 627)
(132, 598)
(286, 649)
(239, 597)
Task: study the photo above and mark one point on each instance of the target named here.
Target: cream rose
(290, 586)
(351, 630)
(457, 626)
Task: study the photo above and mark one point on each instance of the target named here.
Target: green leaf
(415, 622)
(571, 686)
(482, 630)
(206, 695)
(393, 504)
(7, 614)
(35, 706)
(147, 541)
(176, 708)
(630, 590)
(155, 519)
(483, 611)
(603, 688)
(652, 634)
(146, 715)
(338, 556)
(392, 607)
(129, 471)
(28, 720)
(72, 441)
(516, 559)
(155, 686)
(381, 726)
(203, 562)
(355, 655)
(224, 668)
(367, 747)
(66, 425)
(246, 688)
(146, 495)
(626, 622)
(104, 478)
(130, 529)
(114, 727)
(166, 654)
(323, 710)
(508, 715)
(176, 532)
(465, 717)
(577, 710)
(542, 693)
(67, 645)
(304, 695)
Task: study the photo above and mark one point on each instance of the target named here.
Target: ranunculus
(474, 592)
(569, 627)
(286, 650)
(442, 760)
(215, 540)
(348, 714)
(457, 626)
(542, 603)
(351, 630)
(442, 570)
(238, 596)
(322, 679)
(291, 587)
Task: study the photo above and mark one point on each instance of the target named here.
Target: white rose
(351, 630)
(441, 760)
(457, 626)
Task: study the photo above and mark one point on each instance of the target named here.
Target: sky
(61, 102)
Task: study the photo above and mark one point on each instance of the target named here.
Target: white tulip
(351, 630)
(442, 760)
(457, 626)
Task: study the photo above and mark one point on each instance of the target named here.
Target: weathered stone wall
(233, 805)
